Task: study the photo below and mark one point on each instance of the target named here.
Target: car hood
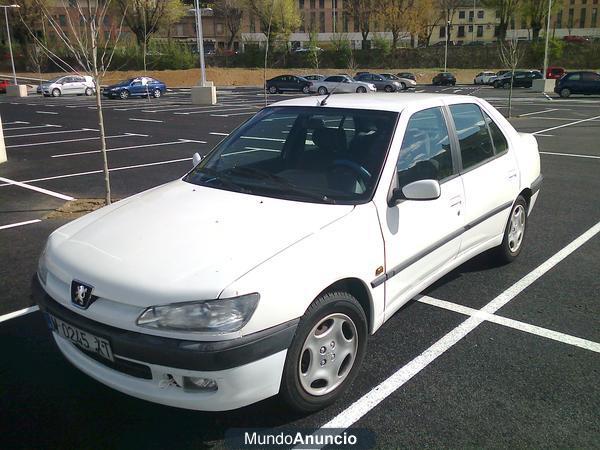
(180, 242)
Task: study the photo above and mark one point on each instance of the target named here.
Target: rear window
(475, 142)
(574, 77)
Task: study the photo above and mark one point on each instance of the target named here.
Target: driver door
(422, 236)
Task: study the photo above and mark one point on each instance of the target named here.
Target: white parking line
(45, 112)
(511, 323)
(538, 112)
(217, 111)
(76, 140)
(16, 122)
(113, 169)
(569, 154)
(235, 114)
(18, 313)
(33, 126)
(567, 125)
(214, 133)
(179, 141)
(37, 189)
(146, 120)
(50, 132)
(18, 224)
(387, 387)
(262, 138)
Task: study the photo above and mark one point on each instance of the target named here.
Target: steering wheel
(364, 175)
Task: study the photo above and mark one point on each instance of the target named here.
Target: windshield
(314, 154)
(124, 82)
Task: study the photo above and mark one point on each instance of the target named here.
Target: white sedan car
(341, 83)
(68, 85)
(484, 77)
(264, 270)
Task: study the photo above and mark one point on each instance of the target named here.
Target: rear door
(489, 174)
(591, 83)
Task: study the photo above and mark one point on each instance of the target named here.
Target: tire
(89, 92)
(505, 85)
(56, 92)
(496, 85)
(157, 93)
(403, 85)
(333, 311)
(124, 94)
(361, 90)
(305, 90)
(565, 92)
(514, 233)
(388, 88)
(454, 83)
(322, 90)
(273, 90)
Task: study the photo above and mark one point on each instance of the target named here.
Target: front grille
(121, 365)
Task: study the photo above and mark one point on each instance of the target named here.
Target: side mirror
(196, 158)
(419, 190)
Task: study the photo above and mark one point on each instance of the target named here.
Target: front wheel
(89, 92)
(305, 90)
(514, 233)
(361, 89)
(326, 352)
(156, 93)
(124, 94)
(273, 90)
(403, 85)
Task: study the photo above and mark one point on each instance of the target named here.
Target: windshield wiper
(257, 174)
(220, 177)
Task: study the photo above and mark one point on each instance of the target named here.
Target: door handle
(456, 201)
(512, 174)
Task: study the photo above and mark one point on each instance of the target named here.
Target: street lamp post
(446, 51)
(12, 60)
(200, 38)
(547, 37)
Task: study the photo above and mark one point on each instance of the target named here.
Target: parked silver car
(341, 83)
(405, 83)
(67, 85)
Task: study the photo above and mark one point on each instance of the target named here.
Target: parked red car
(555, 73)
(3, 85)
(577, 39)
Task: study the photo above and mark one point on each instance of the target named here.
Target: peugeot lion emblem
(81, 294)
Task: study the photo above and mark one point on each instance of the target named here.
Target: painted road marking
(230, 115)
(217, 111)
(45, 112)
(37, 189)
(511, 323)
(538, 112)
(33, 126)
(50, 132)
(567, 125)
(18, 224)
(146, 120)
(568, 154)
(214, 133)
(179, 141)
(19, 313)
(387, 387)
(76, 140)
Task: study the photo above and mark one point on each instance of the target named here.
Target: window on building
(219, 28)
(480, 14)
(479, 30)
(300, 4)
(106, 20)
(594, 17)
(346, 20)
(252, 24)
(442, 32)
(523, 23)
(571, 15)
(322, 22)
(313, 21)
(471, 15)
(584, 2)
(558, 22)
(470, 28)
(302, 22)
(461, 31)
(496, 31)
(62, 19)
(512, 23)
(461, 14)
(497, 14)
(322, 4)
(312, 4)
(356, 25)
(582, 17)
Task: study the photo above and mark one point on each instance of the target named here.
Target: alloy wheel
(516, 228)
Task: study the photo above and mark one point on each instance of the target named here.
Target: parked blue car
(135, 87)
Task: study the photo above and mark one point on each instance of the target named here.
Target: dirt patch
(76, 208)
(254, 77)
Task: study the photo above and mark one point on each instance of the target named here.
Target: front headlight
(221, 315)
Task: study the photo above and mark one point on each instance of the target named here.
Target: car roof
(377, 102)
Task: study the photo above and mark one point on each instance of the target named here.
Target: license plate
(83, 339)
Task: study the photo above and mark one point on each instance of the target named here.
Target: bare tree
(535, 12)
(506, 9)
(510, 55)
(395, 17)
(231, 11)
(447, 10)
(362, 11)
(89, 45)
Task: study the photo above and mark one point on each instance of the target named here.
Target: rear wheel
(55, 92)
(326, 352)
(157, 93)
(565, 92)
(389, 88)
(124, 94)
(305, 90)
(505, 85)
(89, 91)
(322, 90)
(361, 89)
(403, 85)
(514, 233)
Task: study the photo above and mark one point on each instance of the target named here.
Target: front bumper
(246, 370)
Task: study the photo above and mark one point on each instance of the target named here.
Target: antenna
(324, 101)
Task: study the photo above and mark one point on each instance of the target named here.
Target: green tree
(536, 12)
(363, 11)
(278, 18)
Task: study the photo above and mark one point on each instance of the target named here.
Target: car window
(377, 78)
(425, 152)
(308, 153)
(474, 139)
(574, 77)
(589, 76)
(334, 79)
(500, 143)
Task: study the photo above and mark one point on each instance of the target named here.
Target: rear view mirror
(419, 190)
(196, 159)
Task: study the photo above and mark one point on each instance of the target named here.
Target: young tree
(89, 45)
(506, 9)
(313, 50)
(395, 17)
(362, 11)
(146, 17)
(278, 18)
(510, 55)
(418, 18)
(231, 11)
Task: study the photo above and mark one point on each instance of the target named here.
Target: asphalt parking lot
(489, 356)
